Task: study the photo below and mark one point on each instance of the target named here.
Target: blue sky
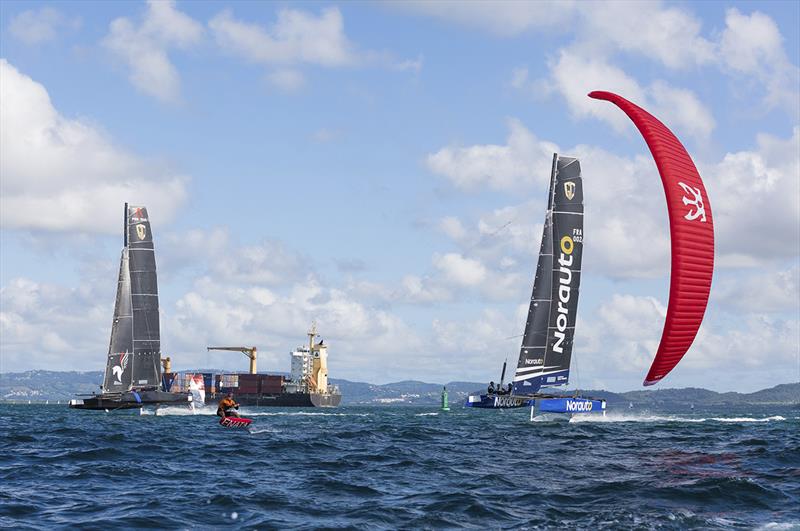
(381, 168)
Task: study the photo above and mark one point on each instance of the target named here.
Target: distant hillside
(48, 385)
(61, 386)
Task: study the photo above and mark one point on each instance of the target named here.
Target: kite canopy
(692, 234)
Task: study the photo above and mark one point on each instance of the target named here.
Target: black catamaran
(133, 369)
(544, 357)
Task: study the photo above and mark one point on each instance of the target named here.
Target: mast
(312, 333)
(125, 226)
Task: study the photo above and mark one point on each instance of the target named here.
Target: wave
(182, 410)
(254, 431)
(426, 414)
(780, 526)
(303, 414)
(620, 417)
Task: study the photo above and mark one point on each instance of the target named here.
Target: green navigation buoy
(445, 407)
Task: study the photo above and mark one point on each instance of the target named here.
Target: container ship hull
(259, 390)
(280, 399)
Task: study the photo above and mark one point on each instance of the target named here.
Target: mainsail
(134, 352)
(546, 349)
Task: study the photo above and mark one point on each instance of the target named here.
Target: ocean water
(400, 468)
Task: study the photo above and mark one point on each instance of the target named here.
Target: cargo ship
(306, 386)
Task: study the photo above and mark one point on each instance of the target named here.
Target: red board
(234, 422)
(692, 232)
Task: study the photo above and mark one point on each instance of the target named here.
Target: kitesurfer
(227, 407)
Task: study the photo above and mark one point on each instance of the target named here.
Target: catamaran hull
(498, 401)
(570, 405)
(131, 400)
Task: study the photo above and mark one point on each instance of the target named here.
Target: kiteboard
(235, 422)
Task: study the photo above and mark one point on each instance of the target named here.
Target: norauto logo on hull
(564, 291)
(573, 405)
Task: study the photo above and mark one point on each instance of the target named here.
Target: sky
(382, 169)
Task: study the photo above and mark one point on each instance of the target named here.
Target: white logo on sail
(569, 190)
(117, 370)
(141, 231)
(564, 290)
(697, 202)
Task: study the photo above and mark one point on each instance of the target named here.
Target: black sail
(567, 258)
(534, 340)
(547, 342)
(134, 351)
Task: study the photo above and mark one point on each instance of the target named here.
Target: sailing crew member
(510, 388)
(226, 407)
(491, 388)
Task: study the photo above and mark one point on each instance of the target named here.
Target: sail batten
(546, 347)
(134, 351)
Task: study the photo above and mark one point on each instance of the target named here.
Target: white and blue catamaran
(546, 350)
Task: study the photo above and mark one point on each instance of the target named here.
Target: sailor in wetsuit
(226, 407)
(491, 388)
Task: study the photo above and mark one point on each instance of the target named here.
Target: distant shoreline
(53, 386)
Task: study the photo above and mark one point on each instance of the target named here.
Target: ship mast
(312, 333)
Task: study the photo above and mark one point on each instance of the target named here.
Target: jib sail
(134, 352)
(546, 349)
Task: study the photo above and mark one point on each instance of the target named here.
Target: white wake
(622, 417)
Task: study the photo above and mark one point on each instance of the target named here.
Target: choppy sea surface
(400, 467)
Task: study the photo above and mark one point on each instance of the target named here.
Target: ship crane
(250, 352)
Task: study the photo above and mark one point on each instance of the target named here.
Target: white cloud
(460, 270)
(755, 198)
(479, 345)
(753, 45)
(65, 175)
(625, 330)
(268, 263)
(668, 35)
(409, 65)
(503, 236)
(453, 227)
(574, 76)
(144, 48)
(523, 161)
(49, 327)
(505, 18)
(296, 37)
(519, 78)
(299, 38)
(37, 26)
(626, 229)
(361, 338)
(626, 220)
(762, 291)
(750, 46)
(625, 333)
(286, 79)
